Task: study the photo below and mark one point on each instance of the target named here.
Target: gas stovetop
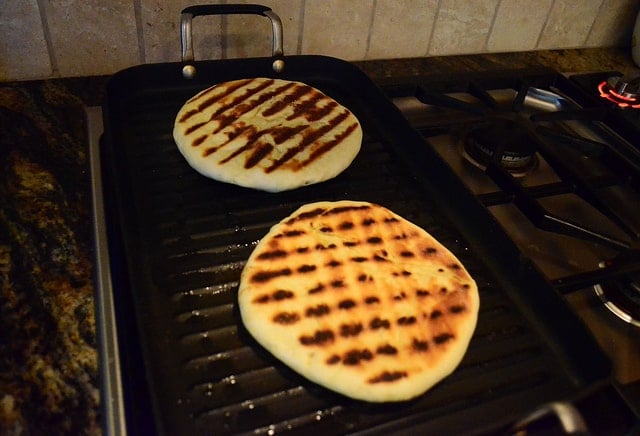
(555, 159)
(561, 154)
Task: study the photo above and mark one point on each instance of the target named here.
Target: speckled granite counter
(49, 363)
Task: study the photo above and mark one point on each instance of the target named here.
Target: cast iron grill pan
(182, 240)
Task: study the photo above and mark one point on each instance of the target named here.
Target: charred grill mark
(455, 266)
(419, 345)
(400, 237)
(317, 311)
(362, 278)
(466, 286)
(286, 318)
(333, 264)
(262, 299)
(309, 138)
(388, 377)
(368, 222)
(307, 215)
(387, 349)
(327, 146)
(275, 254)
(391, 220)
(290, 234)
(306, 269)
(343, 209)
(326, 229)
(230, 137)
(303, 108)
(354, 357)
(282, 133)
(333, 359)
(458, 308)
(321, 247)
(359, 259)
(379, 323)
(429, 251)
(443, 290)
(421, 293)
(316, 289)
(286, 100)
(187, 115)
(282, 294)
(199, 140)
(379, 258)
(346, 225)
(349, 330)
(302, 250)
(374, 240)
(347, 304)
(406, 320)
(407, 254)
(320, 112)
(350, 243)
(320, 337)
(371, 300)
(261, 151)
(193, 128)
(209, 101)
(265, 276)
(240, 108)
(400, 296)
(435, 314)
(442, 338)
(337, 284)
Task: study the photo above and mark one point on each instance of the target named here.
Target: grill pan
(178, 242)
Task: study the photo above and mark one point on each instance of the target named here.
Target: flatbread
(359, 300)
(268, 134)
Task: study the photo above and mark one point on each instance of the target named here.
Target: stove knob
(625, 87)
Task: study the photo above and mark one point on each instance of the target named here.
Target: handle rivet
(188, 71)
(278, 65)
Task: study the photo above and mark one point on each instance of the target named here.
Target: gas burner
(503, 139)
(625, 93)
(621, 295)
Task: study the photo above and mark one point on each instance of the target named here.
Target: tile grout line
(545, 24)
(491, 26)
(593, 24)
(303, 9)
(374, 6)
(433, 27)
(53, 62)
(137, 12)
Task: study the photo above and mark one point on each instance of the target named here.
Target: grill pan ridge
(179, 242)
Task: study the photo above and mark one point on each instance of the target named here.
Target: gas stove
(556, 160)
(550, 157)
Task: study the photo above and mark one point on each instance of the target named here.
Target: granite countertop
(49, 378)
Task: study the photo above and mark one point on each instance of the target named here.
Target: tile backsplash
(65, 38)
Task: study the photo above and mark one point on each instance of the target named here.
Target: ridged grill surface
(187, 240)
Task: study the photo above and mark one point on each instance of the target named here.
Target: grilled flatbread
(268, 134)
(359, 300)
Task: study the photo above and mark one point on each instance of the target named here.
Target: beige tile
(160, 21)
(462, 26)
(252, 35)
(517, 25)
(401, 29)
(337, 28)
(23, 50)
(91, 38)
(569, 23)
(614, 24)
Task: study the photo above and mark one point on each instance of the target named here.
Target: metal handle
(186, 40)
(569, 417)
